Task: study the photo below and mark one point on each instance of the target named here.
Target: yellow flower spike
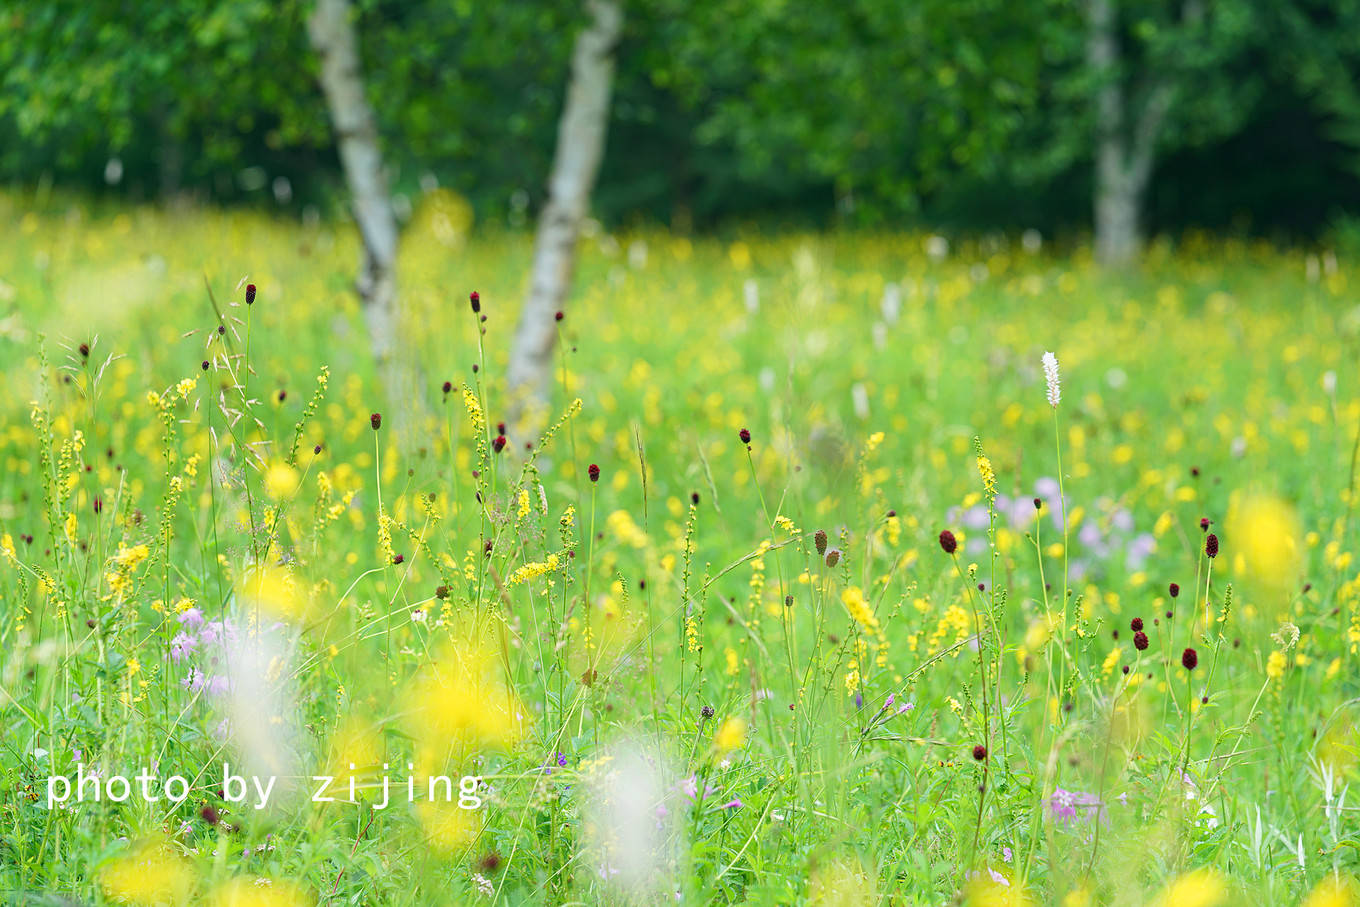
(151, 873)
(1201, 888)
(258, 891)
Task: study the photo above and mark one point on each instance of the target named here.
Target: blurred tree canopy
(967, 113)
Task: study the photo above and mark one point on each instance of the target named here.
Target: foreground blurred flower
(731, 735)
(1334, 891)
(631, 835)
(1267, 542)
(459, 701)
(151, 873)
(1201, 888)
(253, 891)
(1069, 806)
(841, 882)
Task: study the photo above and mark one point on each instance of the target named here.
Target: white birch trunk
(576, 162)
(332, 34)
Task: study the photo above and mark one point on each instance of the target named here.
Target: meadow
(816, 585)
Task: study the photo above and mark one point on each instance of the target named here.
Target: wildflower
(1051, 378)
(448, 386)
(1140, 640)
(258, 891)
(594, 472)
(1068, 806)
(948, 542)
(706, 711)
(833, 557)
(731, 804)
(731, 736)
(1136, 624)
(559, 316)
(819, 539)
(1201, 888)
(745, 435)
(475, 299)
(151, 873)
(250, 294)
(1211, 545)
(1174, 589)
(979, 752)
(1189, 658)
(1204, 524)
(85, 351)
(499, 443)
(375, 420)
(206, 363)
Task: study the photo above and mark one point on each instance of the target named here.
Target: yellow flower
(254, 891)
(732, 735)
(281, 481)
(150, 873)
(71, 525)
(1275, 665)
(1201, 888)
(1334, 891)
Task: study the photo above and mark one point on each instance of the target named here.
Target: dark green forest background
(966, 114)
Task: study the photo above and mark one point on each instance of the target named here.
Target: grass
(670, 684)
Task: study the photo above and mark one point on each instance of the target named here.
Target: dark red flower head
(206, 363)
(476, 299)
(1136, 624)
(948, 542)
(208, 814)
(250, 294)
(1211, 545)
(1140, 640)
(398, 558)
(448, 386)
(1174, 589)
(593, 472)
(1038, 504)
(558, 317)
(499, 443)
(833, 557)
(1204, 524)
(85, 351)
(1189, 659)
(819, 539)
(375, 420)
(745, 435)
(979, 752)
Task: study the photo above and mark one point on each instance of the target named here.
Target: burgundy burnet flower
(833, 557)
(979, 752)
(1204, 524)
(475, 299)
(819, 539)
(1174, 589)
(498, 444)
(448, 386)
(250, 294)
(1136, 624)
(948, 542)
(1189, 659)
(375, 420)
(1211, 545)
(745, 435)
(558, 317)
(1140, 640)
(594, 472)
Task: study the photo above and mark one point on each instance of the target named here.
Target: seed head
(1051, 379)
(1189, 659)
(819, 539)
(375, 420)
(833, 557)
(948, 542)
(1211, 545)
(250, 294)
(1140, 640)
(594, 472)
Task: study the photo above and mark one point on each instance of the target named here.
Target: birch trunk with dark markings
(576, 162)
(1125, 152)
(331, 29)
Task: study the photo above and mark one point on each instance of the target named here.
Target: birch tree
(332, 33)
(576, 163)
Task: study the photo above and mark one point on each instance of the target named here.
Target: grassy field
(922, 641)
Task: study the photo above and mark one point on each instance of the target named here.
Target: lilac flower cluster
(1069, 806)
(1106, 532)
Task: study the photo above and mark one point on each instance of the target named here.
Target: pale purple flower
(1068, 806)
(190, 619)
(731, 804)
